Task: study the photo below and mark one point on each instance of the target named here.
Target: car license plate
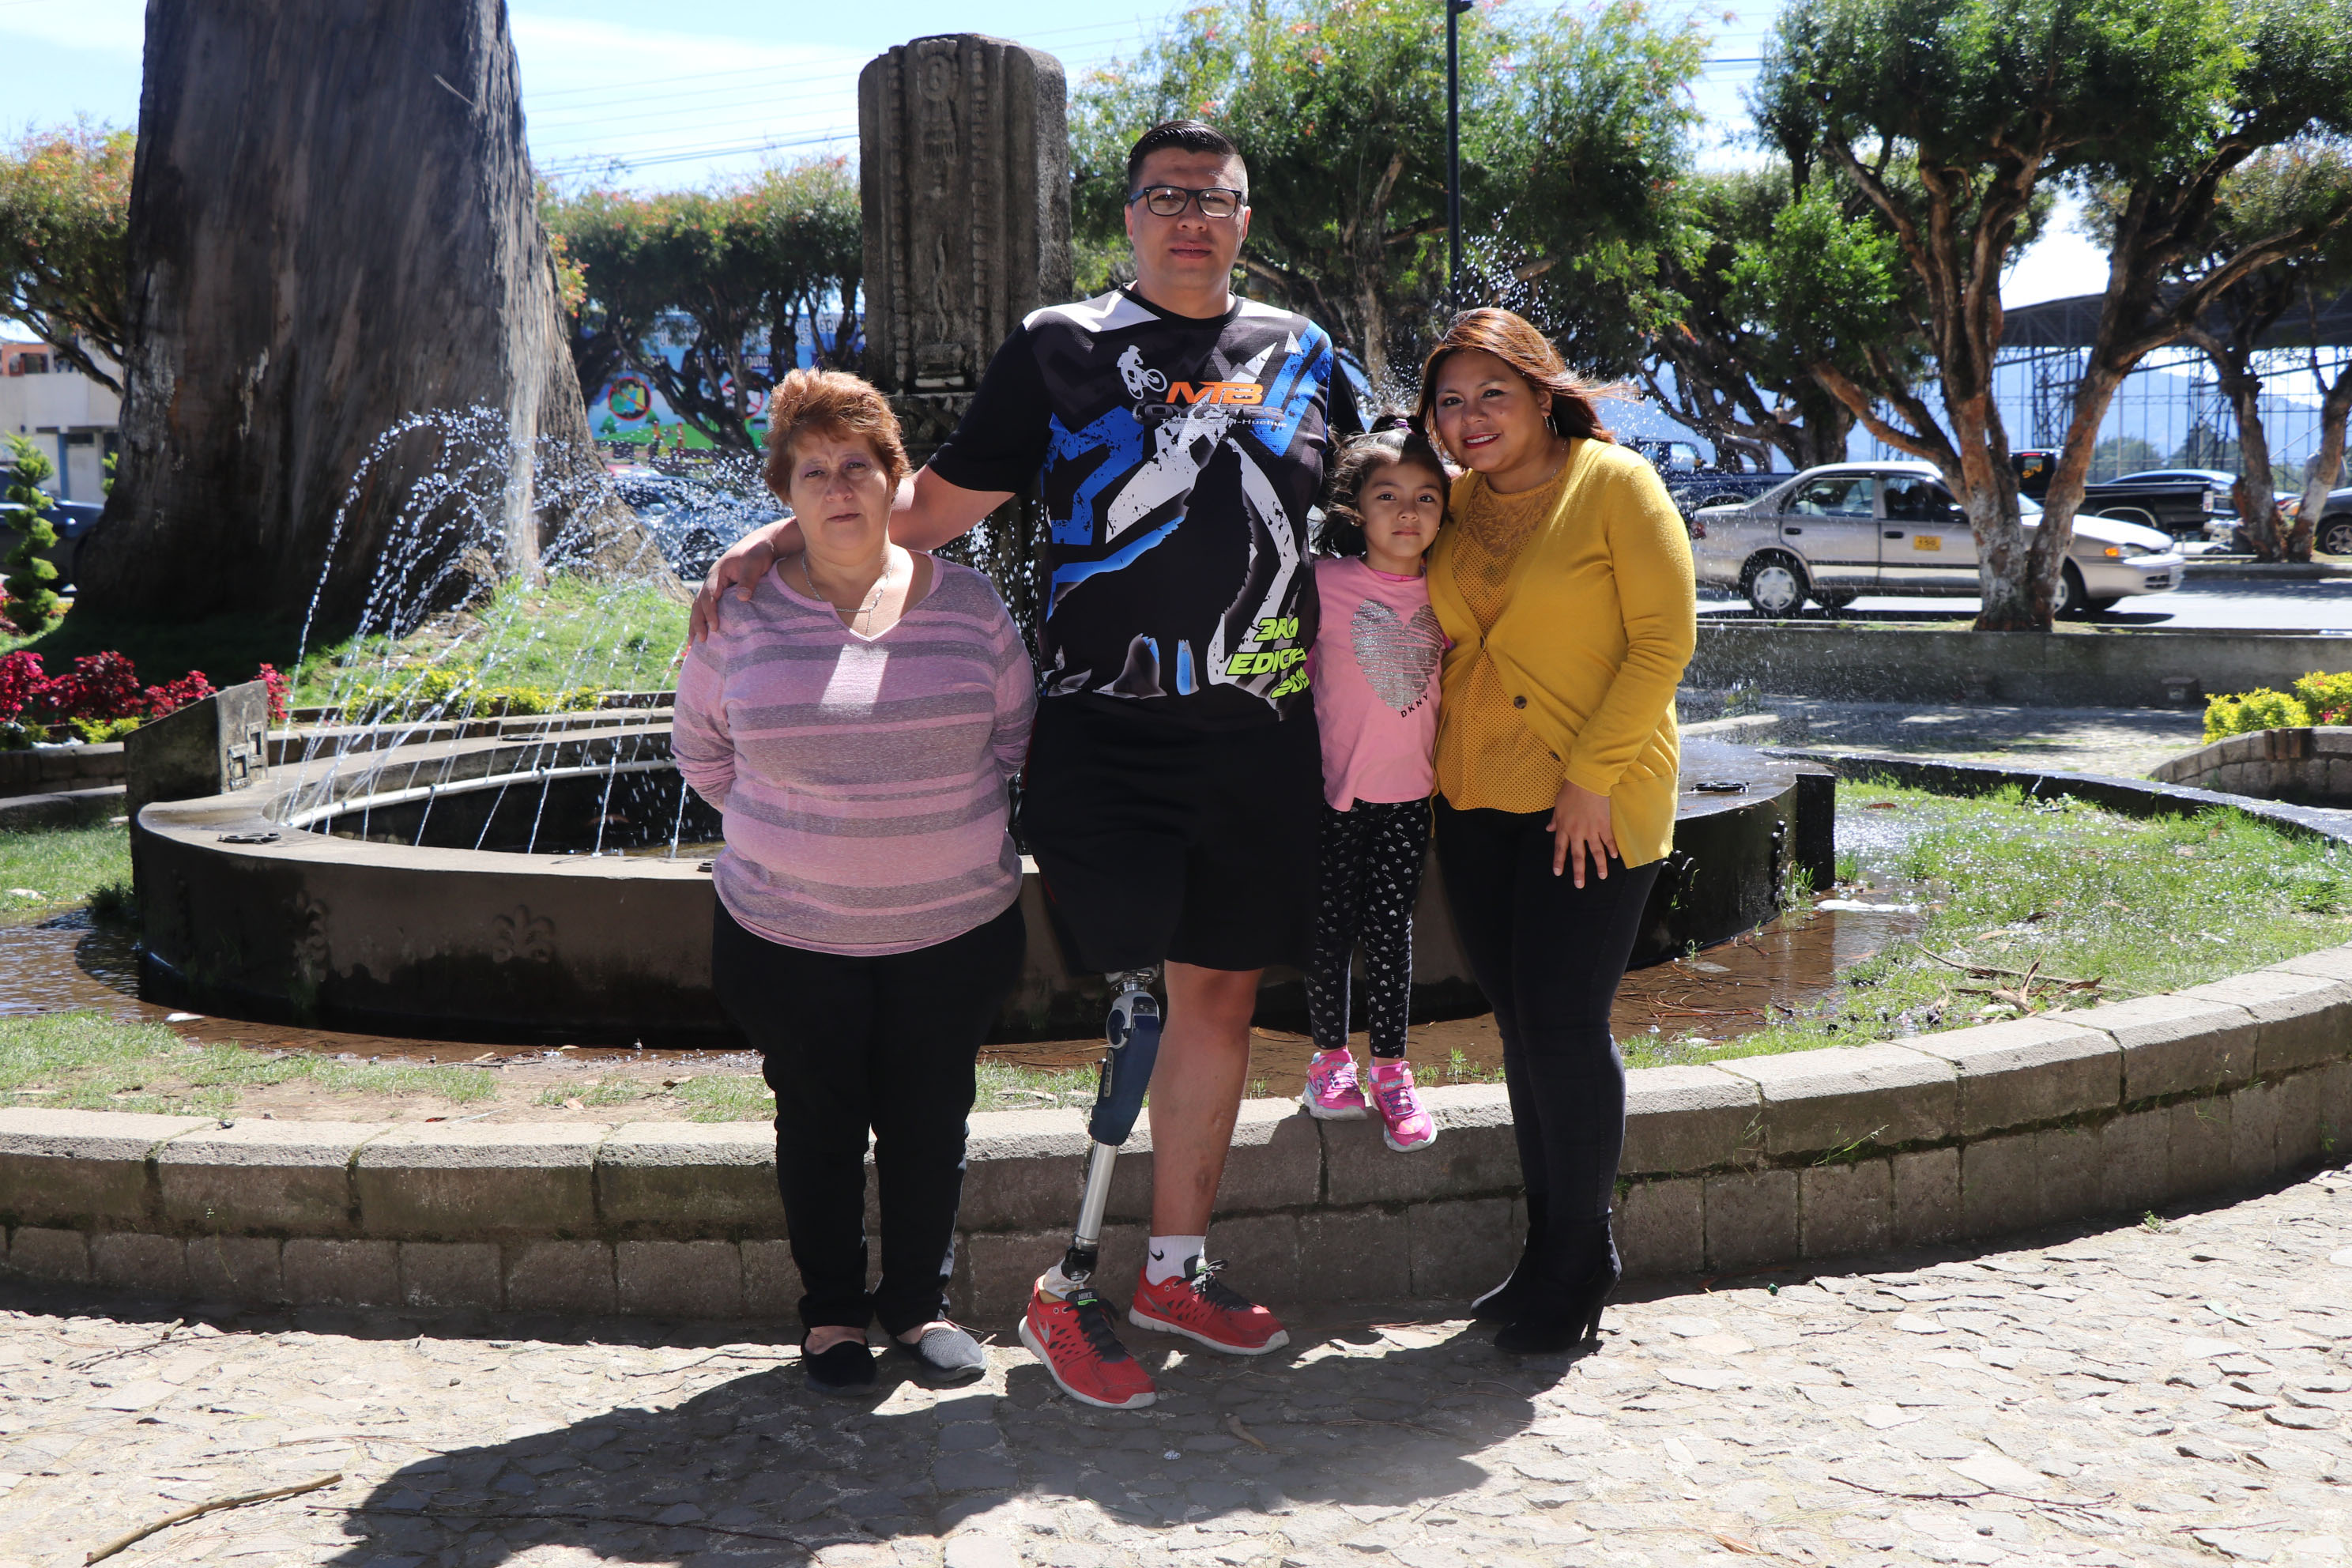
(1926, 541)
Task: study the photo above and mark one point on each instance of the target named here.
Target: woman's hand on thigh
(1579, 827)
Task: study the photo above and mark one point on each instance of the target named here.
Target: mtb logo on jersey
(1183, 395)
(1182, 458)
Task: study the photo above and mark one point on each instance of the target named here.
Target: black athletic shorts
(1159, 841)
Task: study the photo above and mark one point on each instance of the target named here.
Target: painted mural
(630, 410)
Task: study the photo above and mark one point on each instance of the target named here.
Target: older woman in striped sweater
(857, 721)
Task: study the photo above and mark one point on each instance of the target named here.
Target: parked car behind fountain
(73, 519)
(2334, 534)
(1836, 533)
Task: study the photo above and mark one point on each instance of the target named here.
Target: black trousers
(887, 1043)
(1549, 955)
(1370, 861)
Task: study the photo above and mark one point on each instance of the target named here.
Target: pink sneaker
(1404, 1125)
(1331, 1094)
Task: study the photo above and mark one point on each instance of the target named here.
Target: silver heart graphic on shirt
(1396, 656)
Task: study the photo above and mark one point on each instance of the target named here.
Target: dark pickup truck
(2182, 508)
(1694, 482)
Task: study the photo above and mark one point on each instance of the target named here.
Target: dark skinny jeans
(1549, 954)
(885, 1042)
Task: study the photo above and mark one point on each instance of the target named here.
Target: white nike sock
(1166, 1258)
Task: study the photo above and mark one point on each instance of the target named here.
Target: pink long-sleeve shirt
(862, 781)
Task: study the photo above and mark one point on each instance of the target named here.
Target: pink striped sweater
(862, 781)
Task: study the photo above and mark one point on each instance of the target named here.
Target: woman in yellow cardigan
(1565, 584)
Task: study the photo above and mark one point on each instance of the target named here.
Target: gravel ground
(2169, 1392)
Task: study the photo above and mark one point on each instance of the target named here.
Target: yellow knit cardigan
(1600, 622)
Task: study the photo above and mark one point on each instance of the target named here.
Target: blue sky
(688, 93)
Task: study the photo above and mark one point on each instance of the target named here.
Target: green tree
(1740, 330)
(820, 243)
(1582, 175)
(32, 605)
(1985, 104)
(2304, 187)
(65, 204)
(712, 273)
(1572, 122)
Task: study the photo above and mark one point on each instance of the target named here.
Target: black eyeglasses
(1170, 200)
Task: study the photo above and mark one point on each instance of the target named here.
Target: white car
(1837, 532)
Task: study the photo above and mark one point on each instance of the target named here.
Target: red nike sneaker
(1075, 1338)
(1202, 1308)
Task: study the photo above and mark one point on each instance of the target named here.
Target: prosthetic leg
(1133, 1032)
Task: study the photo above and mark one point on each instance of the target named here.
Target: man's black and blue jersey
(1179, 458)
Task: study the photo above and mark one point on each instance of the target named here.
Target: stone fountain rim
(1745, 1165)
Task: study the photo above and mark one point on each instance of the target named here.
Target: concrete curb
(43, 769)
(63, 808)
(2137, 797)
(2093, 668)
(2309, 764)
(1757, 1161)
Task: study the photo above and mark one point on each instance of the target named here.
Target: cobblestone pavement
(2125, 742)
(2097, 1397)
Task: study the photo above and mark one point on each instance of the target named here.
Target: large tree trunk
(2320, 472)
(332, 231)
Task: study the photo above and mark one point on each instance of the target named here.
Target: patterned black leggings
(1371, 858)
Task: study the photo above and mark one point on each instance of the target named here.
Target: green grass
(726, 1096)
(1002, 1086)
(602, 1092)
(566, 633)
(2066, 892)
(86, 1061)
(62, 866)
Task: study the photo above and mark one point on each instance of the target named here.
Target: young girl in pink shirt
(1373, 670)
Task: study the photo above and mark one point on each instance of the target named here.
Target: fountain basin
(506, 889)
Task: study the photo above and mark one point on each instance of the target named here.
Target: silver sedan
(1834, 533)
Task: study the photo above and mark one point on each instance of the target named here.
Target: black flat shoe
(846, 1368)
(946, 1358)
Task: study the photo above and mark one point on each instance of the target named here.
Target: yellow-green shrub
(2248, 711)
(2328, 697)
(455, 691)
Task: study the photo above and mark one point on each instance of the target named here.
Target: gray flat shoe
(945, 1358)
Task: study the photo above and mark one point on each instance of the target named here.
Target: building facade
(70, 417)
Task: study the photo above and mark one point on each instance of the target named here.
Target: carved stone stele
(963, 149)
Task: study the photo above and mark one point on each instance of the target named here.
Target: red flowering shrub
(101, 690)
(100, 685)
(20, 678)
(268, 676)
(173, 696)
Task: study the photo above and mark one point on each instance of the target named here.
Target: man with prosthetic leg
(1065, 1303)
(1176, 436)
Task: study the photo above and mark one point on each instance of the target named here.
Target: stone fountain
(546, 878)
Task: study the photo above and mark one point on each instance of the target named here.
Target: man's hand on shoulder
(745, 563)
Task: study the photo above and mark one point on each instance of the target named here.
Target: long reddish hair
(1514, 340)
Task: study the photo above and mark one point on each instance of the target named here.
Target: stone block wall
(1756, 1162)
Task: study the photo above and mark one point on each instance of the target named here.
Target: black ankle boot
(1563, 1310)
(1517, 1291)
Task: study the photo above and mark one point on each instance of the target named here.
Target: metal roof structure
(2074, 323)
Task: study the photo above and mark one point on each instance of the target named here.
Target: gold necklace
(872, 600)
